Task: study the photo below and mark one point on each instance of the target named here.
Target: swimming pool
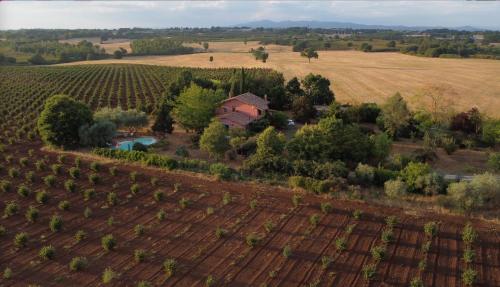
(127, 145)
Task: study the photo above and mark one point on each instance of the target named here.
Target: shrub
(80, 235)
(2, 231)
(387, 235)
(170, 265)
(74, 172)
(95, 166)
(269, 225)
(23, 190)
(252, 239)
(161, 215)
(108, 242)
(314, 219)
(416, 282)
(113, 170)
(55, 223)
(468, 255)
(133, 176)
(469, 235)
(88, 194)
(5, 186)
(378, 252)
(112, 198)
(139, 229)
(134, 188)
(108, 275)
(326, 207)
(449, 144)
(78, 263)
(395, 188)
(61, 158)
(32, 214)
(64, 205)
(494, 161)
(210, 210)
(357, 214)
(94, 178)
(110, 221)
(30, 176)
(227, 198)
(369, 271)
(469, 276)
(296, 200)
(78, 162)
(220, 232)
(87, 212)
(139, 255)
(13, 172)
(153, 181)
(391, 221)
(47, 252)
(184, 202)
(21, 239)
(287, 251)
(40, 165)
(7, 273)
(70, 185)
(431, 229)
(10, 209)
(49, 180)
(159, 195)
(253, 203)
(23, 161)
(210, 281)
(365, 174)
(42, 197)
(221, 171)
(426, 246)
(143, 284)
(56, 168)
(341, 244)
(326, 261)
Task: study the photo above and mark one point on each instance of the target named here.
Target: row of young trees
(159, 46)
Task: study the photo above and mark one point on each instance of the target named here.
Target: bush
(494, 161)
(326, 261)
(88, 194)
(357, 214)
(221, 171)
(32, 214)
(469, 276)
(469, 235)
(94, 178)
(369, 271)
(5, 186)
(64, 205)
(184, 202)
(49, 180)
(326, 207)
(87, 212)
(387, 235)
(30, 176)
(55, 223)
(21, 239)
(252, 239)
(134, 188)
(56, 168)
(40, 165)
(161, 215)
(139, 229)
(95, 166)
(314, 219)
(74, 172)
(170, 265)
(378, 253)
(42, 197)
(78, 263)
(365, 174)
(108, 242)
(287, 251)
(395, 188)
(11, 208)
(133, 176)
(296, 200)
(24, 191)
(47, 252)
(80, 235)
(70, 185)
(411, 174)
(220, 232)
(139, 255)
(227, 198)
(431, 229)
(416, 282)
(7, 273)
(159, 195)
(108, 275)
(269, 225)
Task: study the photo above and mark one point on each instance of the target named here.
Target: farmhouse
(241, 110)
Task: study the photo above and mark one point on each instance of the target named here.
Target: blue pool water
(127, 145)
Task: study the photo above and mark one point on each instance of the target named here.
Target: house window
(225, 110)
(234, 109)
(259, 112)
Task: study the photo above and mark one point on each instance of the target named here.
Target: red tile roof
(236, 117)
(251, 99)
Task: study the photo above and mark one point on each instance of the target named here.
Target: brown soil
(188, 235)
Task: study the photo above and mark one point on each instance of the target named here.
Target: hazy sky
(115, 14)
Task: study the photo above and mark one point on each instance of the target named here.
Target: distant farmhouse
(239, 111)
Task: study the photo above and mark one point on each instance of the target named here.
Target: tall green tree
(205, 46)
(214, 139)
(309, 53)
(60, 120)
(195, 107)
(164, 122)
(317, 88)
(395, 114)
(303, 109)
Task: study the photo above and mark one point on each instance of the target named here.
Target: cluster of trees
(5, 60)
(159, 46)
(432, 47)
(260, 54)
(67, 123)
(63, 52)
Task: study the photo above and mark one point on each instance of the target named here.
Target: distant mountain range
(346, 25)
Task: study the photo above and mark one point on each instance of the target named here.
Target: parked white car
(291, 123)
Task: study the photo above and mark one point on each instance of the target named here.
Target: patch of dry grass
(361, 77)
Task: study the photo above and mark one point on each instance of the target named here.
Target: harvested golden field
(361, 77)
